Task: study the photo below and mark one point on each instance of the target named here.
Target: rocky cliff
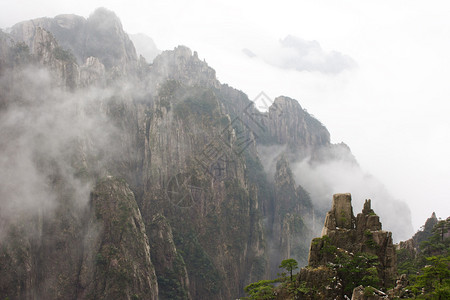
(129, 180)
(351, 251)
(361, 234)
(116, 260)
(293, 211)
(101, 36)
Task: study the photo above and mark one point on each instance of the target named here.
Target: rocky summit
(360, 234)
(358, 244)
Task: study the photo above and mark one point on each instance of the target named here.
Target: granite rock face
(169, 264)
(291, 216)
(116, 263)
(101, 35)
(412, 245)
(360, 234)
(183, 65)
(290, 124)
(341, 214)
(360, 293)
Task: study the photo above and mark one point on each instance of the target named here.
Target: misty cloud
(293, 53)
(249, 53)
(47, 137)
(324, 179)
(269, 156)
(333, 171)
(145, 46)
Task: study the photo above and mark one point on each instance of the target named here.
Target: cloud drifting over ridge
(293, 53)
(322, 180)
(338, 172)
(48, 137)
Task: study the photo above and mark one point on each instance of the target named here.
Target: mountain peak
(294, 126)
(107, 40)
(104, 15)
(287, 102)
(69, 21)
(101, 35)
(183, 65)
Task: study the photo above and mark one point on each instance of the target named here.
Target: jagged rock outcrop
(95, 252)
(400, 290)
(106, 40)
(424, 234)
(183, 65)
(292, 211)
(101, 36)
(422, 259)
(92, 73)
(169, 265)
(360, 234)
(340, 216)
(348, 246)
(289, 124)
(116, 262)
(411, 247)
(62, 63)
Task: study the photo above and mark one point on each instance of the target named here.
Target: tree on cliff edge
(289, 265)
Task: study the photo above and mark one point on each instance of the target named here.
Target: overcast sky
(376, 73)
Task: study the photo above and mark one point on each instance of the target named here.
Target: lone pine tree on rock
(289, 265)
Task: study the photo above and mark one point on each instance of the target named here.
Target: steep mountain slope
(128, 180)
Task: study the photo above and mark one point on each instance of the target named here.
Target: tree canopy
(289, 265)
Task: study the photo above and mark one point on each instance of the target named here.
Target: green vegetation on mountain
(267, 289)
(352, 252)
(355, 270)
(427, 267)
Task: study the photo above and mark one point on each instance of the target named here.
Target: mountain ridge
(161, 141)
